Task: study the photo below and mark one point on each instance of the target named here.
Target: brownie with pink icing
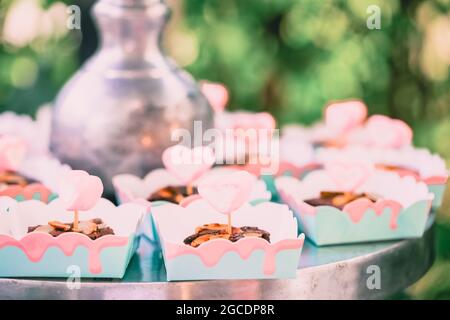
(173, 194)
(212, 231)
(12, 178)
(338, 199)
(403, 171)
(94, 228)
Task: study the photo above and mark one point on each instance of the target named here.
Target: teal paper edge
(438, 190)
(148, 226)
(36, 196)
(55, 264)
(330, 226)
(269, 180)
(232, 266)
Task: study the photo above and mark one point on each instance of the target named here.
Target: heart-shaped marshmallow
(348, 176)
(227, 192)
(346, 115)
(188, 164)
(12, 152)
(78, 190)
(385, 132)
(217, 95)
(250, 120)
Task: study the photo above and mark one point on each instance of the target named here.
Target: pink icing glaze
(188, 200)
(436, 180)
(212, 251)
(34, 245)
(403, 172)
(28, 191)
(295, 170)
(356, 209)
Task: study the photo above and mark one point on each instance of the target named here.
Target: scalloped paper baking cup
(417, 162)
(248, 258)
(41, 255)
(401, 212)
(130, 188)
(42, 168)
(33, 191)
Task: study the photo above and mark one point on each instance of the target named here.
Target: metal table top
(333, 272)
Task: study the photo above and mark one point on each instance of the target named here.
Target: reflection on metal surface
(334, 272)
(115, 115)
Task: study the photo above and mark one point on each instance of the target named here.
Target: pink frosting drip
(436, 180)
(295, 170)
(34, 245)
(28, 191)
(429, 181)
(212, 251)
(356, 209)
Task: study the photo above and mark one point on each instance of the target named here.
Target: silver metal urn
(117, 112)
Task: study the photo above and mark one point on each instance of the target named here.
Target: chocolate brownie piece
(11, 178)
(337, 199)
(94, 228)
(212, 231)
(172, 194)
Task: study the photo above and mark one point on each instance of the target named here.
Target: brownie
(220, 231)
(11, 178)
(94, 228)
(388, 167)
(172, 194)
(337, 199)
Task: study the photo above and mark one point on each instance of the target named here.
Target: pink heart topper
(385, 132)
(227, 192)
(79, 191)
(346, 115)
(217, 95)
(348, 176)
(248, 120)
(12, 152)
(188, 164)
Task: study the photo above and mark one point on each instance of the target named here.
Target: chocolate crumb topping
(94, 228)
(212, 231)
(338, 199)
(172, 194)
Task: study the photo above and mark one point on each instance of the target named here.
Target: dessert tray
(351, 218)
(332, 272)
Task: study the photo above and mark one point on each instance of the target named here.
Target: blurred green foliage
(291, 57)
(288, 57)
(37, 54)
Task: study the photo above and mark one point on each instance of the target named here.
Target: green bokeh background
(288, 57)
